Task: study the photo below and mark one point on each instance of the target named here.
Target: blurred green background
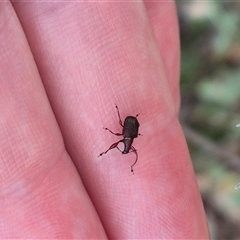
(210, 106)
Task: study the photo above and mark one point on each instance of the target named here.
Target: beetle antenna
(135, 151)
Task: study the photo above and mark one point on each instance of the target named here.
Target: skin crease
(63, 66)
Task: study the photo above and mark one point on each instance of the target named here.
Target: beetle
(129, 132)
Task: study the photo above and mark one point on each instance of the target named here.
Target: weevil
(129, 132)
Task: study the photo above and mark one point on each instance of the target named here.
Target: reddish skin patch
(91, 55)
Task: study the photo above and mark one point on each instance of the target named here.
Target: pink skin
(63, 66)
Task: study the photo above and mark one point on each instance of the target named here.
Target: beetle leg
(120, 121)
(114, 145)
(117, 134)
(134, 150)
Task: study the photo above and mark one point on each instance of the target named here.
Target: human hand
(88, 56)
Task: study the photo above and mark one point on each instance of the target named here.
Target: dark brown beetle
(129, 132)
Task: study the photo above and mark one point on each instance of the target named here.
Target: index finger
(110, 55)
